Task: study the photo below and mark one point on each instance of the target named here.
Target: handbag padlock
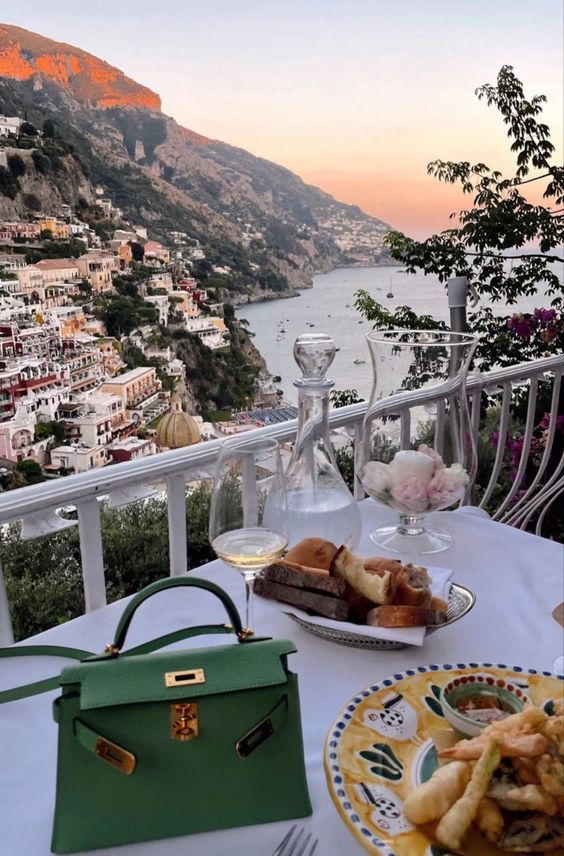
(184, 720)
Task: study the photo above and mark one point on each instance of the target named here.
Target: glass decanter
(319, 502)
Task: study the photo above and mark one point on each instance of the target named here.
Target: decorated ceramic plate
(380, 748)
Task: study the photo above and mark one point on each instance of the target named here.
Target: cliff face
(25, 55)
(252, 217)
(47, 190)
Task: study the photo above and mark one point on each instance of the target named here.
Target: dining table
(518, 580)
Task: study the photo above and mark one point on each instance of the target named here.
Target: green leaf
(383, 757)
(548, 707)
(387, 773)
(434, 705)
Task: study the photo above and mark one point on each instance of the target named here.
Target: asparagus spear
(456, 822)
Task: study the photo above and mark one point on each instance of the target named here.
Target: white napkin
(440, 586)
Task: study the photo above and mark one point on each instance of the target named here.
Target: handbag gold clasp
(187, 676)
(184, 720)
(113, 754)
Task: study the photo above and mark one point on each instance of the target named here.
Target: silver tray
(460, 602)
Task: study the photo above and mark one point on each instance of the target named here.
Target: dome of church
(177, 429)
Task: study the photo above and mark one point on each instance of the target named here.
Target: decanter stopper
(314, 353)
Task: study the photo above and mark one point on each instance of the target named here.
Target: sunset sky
(356, 97)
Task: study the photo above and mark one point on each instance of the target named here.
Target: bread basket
(460, 602)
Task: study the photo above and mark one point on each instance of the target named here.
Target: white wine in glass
(249, 514)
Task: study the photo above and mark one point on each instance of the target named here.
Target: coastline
(265, 297)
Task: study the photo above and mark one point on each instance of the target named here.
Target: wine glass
(249, 513)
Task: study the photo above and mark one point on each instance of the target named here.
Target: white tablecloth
(518, 580)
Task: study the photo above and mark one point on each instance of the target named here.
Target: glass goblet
(417, 453)
(248, 526)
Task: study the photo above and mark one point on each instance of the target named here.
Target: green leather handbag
(158, 745)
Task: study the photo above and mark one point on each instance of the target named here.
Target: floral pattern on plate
(380, 748)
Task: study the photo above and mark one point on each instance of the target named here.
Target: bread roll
(286, 575)
(439, 604)
(413, 586)
(393, 615)
(304, 569)
(313, 602)
(312, 553)
(379, 564)
(374, 585)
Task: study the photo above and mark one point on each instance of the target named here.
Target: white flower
(431, 453)
(409, 464)
(458, 474)
(376, 478)
(447, 486)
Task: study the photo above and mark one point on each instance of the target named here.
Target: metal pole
(91, 553)
(177, 537)
(458, 288)
(6, 632)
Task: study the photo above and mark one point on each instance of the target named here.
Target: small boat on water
(359, 362)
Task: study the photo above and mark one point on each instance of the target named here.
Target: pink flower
(411, 494)
(447, 486)
(521, 324)
(545, 316)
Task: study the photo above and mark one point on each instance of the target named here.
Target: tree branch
(517, 182)
(521, 256)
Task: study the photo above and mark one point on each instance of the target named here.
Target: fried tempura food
(536, 833)
(551, 774)
(517, 803)
(553, 728)
(530, 798)
(526, 770)
(531, 717)
(489, 819)
(455, 824)
(510, 746)
(434, 798)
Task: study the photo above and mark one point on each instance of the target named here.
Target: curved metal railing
(37, 506)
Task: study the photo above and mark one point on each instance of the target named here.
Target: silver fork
(297, 843)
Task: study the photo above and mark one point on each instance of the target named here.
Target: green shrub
(16, 165)
(9, 186)
(32, 202)
(44, 578)
(41, 162)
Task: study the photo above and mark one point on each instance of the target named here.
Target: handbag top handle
(173, 582)
(114, 649)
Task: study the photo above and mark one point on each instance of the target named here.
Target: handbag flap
(174, 675)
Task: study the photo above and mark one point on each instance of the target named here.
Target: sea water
(328, 307)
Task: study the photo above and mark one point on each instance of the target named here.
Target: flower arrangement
(415, 481)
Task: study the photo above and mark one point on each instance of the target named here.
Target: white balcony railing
(36, 506)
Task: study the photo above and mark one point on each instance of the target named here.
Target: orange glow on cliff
(24, 55)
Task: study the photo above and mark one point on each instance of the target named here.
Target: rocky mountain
(252, 216)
